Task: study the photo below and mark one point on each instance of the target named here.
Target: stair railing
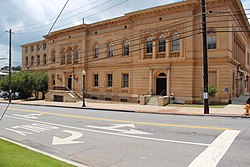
(161, 94)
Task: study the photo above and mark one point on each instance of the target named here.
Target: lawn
(12, 155)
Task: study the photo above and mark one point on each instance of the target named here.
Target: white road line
(110, 133)
(211, 156)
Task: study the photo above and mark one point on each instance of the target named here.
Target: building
(156, 51)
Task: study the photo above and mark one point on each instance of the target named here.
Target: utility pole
(205, 57)
(10, 91)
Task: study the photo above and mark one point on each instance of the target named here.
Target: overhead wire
(138, 36)
(37, 52)
(72, 22)
(55, 17)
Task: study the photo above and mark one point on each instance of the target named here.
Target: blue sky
(31, 19)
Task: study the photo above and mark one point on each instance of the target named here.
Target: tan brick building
(153, 51)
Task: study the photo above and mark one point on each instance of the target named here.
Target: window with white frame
(211, 39)
(162, 43)
(175, 47)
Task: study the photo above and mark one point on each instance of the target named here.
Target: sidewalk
(231, 110)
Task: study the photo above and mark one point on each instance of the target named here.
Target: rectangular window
(125, 80)
(149, 47)
(95, 79)
(211, 40)
(109, 80)
(162, 45)
(37, 47)
(126, 50)
(31, 48)
(26, 50)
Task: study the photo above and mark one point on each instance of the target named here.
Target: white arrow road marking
(116, 127)
(211, 156)
(67, 140)
(110, 133)
(31, 116)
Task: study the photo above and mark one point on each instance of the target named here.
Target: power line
(138, 36)
(70, 16)
(2, 34)
(63, 25)
(55, 17)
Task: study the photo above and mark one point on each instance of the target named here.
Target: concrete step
(153, 101)
(241, 100)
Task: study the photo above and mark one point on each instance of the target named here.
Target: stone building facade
(156, 51)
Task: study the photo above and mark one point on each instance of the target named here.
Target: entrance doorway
(70, 82)
(161, 84)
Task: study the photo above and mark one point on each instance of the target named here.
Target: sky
(31, 19)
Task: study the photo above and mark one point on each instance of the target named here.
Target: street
(122, 139)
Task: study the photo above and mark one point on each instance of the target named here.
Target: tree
(26, 83)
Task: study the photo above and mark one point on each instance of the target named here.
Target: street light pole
(83, 98)
(10, 91)
(205, 57)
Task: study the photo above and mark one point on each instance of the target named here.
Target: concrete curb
(44, 153)
(133, 111)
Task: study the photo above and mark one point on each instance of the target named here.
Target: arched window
(97, 51)
(69, 55)
(44, 59)
(126, 48)
(63, 56)
(162, 43)
(175, 47)
(211, 39)
(26, 61)
(149, 45)
(76, 56)
(32, 61)
(111, 49)
(38, 60)
(53, 56)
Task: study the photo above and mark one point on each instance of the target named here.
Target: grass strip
(12, 155)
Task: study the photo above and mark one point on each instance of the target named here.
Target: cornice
(32, 43)
(75, 29)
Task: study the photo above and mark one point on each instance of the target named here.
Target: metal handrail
(162, 92)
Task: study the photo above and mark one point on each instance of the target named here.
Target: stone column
(72, 81)
(150, 80)
(168, 82)
(63, 79)
(167, 48)
(154, 50)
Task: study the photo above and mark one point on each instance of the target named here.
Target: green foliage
(25, 83)
(212, 90)
(15, 156)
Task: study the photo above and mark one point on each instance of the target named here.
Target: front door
(70, 83)
(161, 84)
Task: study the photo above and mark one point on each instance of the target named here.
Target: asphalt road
(125, 139)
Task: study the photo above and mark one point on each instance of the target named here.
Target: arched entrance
(70, 82)
(161, 84)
